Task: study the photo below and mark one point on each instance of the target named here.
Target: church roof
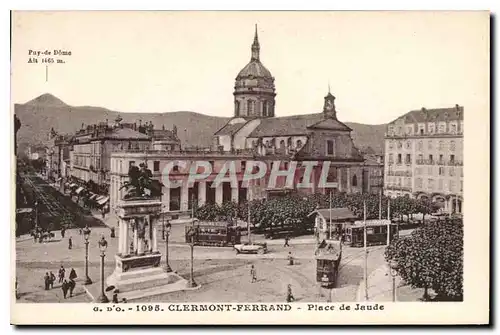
(230, 129)
(296, 125)
(254, 69)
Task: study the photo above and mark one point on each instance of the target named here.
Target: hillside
(42, 113)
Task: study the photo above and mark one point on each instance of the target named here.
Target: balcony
(398, 188)
(425, 162)
(400, 173)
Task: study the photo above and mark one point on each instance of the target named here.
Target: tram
(376, 233)
(328, 257)
(217, 234)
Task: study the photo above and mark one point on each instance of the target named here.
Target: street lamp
(103, 244)
(192, 283)
(394, 267)
(86, 234)
(168, 227)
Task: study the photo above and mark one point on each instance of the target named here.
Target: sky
(379, 65)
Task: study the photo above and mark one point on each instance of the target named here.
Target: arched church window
(354, 180)
(264, 108)
(282, 144)
(237, 108)
(250, 107)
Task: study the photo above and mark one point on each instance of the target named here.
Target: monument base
(141, 276)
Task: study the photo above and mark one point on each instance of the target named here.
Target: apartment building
(424, 156)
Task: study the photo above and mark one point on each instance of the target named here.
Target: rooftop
(433, 115)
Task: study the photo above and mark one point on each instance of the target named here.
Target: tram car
(376, 233)
(217, 234)
(328, 257)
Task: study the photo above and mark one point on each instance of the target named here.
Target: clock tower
(329, 107)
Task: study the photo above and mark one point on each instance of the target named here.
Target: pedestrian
(287, 238)
(34, 236)
(103, 214)
(80, 231)
(71, 287)
(289, 295)
(64, 288)
(72, 274)
(124, 300)
(70, 243)
(290, 258)
(63, 231)
(115, 296)
(17, 294)
(52, 279)
(62, 272)
(46, 280)
(146, 245)
(253, 274)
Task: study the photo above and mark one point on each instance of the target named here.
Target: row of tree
(293, 211)
(431, 258)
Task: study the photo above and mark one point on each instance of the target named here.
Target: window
(420, 157)
(430, 144)
(330, 147)
(453, 128)
(441, 171)
(285, 165)
(452, 145)
(431, 159)
(391, 144)
(440, 158)
(175, 168)
(430, 183)
(408, 159)
(452, 171)
(264, 108)
(400, 144)
(431, 128)
(429, 170)
(419, 182)
(243, 165)
(421, 131)
(237, 108)
(391, 158)
(156, 166)
(442, 128)
(452, 185)
(354, 180)
(452, 159)
(441, 145)
(399, 159)
(299, 144)
(461, 185)
(420, 145)
(409, 130)
(250, 107)
(212, 163)
(408, 145)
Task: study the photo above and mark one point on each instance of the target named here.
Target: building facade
(424, 156)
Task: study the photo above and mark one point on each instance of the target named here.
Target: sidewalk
(380, 287)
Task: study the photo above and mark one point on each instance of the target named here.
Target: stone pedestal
(139, 272)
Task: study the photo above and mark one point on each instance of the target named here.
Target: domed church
(317, 136)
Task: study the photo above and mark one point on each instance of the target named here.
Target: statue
(141, 183)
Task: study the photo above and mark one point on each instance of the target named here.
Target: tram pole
(330, 212)
(388, 221)
(366, 252)
(380, 205)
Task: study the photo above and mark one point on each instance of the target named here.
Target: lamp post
(86, 233)
(192, 283)
(167, 266)
(394, 267)
(103, 244)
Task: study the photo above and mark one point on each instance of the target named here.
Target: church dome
(254, 69)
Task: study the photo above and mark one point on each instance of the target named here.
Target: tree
(432, 257)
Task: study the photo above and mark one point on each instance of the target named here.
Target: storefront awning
(102, 201)
(93, 196)
(78, 190)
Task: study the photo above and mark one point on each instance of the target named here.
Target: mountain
(41, 114)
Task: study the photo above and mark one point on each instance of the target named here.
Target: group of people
(67, 285)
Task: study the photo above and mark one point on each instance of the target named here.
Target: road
(54, 206)
(223, 275)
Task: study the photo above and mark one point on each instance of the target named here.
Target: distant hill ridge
(41, 114)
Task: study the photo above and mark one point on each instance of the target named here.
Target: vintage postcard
(250, 167)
